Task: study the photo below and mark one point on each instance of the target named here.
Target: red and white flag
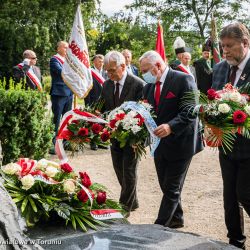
(76, 70)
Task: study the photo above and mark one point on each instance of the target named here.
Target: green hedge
(25, 123)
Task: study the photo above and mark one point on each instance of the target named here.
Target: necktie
(233, 74)
(117, 94)
(157, 94)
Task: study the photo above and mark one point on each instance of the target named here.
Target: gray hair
(114, 56)
(127, 51)
(28, 53)
(153, 57)
(236, 31)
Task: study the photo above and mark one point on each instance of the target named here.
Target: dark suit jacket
(20, 74)
(131, 91)
(241, 149)
(134, 70)
(94, 93)
(58, 87)
(203, 75)
(185, 139)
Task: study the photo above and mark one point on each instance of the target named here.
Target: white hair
(114, 56)
(153, 57)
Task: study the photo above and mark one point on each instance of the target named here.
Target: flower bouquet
(128, 126)
(80, 128)
(224, 114)
(43, 189)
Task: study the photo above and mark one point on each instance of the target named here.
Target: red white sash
(58, 59)
(30, 73)
(97, 76)
(183, 69)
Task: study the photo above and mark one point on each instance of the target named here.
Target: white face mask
(149, 78)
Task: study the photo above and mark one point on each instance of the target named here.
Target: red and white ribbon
(73, 114)
(32, 77)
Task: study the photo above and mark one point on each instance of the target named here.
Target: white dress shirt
(121, 82)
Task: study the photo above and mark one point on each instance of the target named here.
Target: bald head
(62, 48)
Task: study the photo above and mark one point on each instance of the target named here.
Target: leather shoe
(93, 146)
(238, 243)
(175, 224)
(103, 147)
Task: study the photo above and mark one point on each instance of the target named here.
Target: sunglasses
(34, 58)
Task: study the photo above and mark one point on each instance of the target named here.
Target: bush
(47, 83)
(25, 125)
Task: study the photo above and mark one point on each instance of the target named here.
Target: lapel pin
(243, 77)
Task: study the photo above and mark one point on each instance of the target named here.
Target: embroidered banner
(76, 70)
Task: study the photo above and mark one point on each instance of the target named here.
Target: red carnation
(141, 120)
(119, 116)
(83, 132)
(105, 136)
(85, 179)
(112, 123)
(66, 168)
(39, 172)
(66, 134)
(101, 197)
(82, 196)
(239, 117)
(96, 128)
(211, 94)
(75, 121)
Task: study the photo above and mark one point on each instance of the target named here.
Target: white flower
(147, 106)
(224, 108)
(11, 168)
(135, 129)
(69, 186)
(235, 97)
(27, 181)
(247, 109)
(51, 171)
(42, 164)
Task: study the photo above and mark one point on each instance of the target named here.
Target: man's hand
(26, 61)
(163, 130)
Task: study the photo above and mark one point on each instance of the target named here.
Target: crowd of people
(163, 85)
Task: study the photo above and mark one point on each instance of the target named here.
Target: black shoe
(93, 147)
(160, 222)
(238, 243)
(175, 224)
(103, 147)
(52, 151)
(134, 207)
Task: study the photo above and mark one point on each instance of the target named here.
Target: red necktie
(117, 94)
(233, 74)
(157, 94)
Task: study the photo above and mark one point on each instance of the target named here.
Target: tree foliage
(36, 25)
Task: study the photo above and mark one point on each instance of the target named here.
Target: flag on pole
(160, 42)
(76, 71)
(215, 42)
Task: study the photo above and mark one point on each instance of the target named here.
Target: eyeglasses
(34, 58)
(112, 71)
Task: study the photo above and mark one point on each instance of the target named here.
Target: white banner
(76, 71)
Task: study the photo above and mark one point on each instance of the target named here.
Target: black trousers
(236, 191)
(60, 105)
(171, 176)
(125, 166)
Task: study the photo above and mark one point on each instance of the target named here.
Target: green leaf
(88, 222)
(33, 205)
(80, 223)
(24, 204)
(73, 221)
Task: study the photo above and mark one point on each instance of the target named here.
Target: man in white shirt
(128, 59)
(185, 65)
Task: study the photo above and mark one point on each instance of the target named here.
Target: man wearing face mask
(177, 128)
(119, 88)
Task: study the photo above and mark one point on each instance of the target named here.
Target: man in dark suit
(204, 71)
(132, 69)
(177, 128)
(122, 86)
(61, 95)
(28, 72)
(235, 165)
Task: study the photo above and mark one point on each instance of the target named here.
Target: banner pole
(75, 101)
